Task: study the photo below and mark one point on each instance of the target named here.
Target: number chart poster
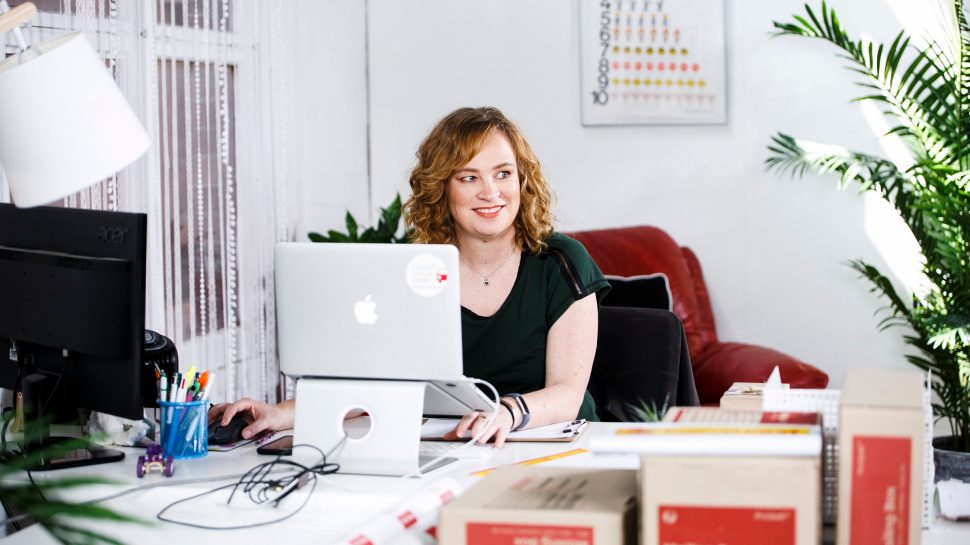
(652, 62)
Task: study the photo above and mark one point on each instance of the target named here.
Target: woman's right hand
(265, 416)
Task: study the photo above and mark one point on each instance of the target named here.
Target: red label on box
(880, 490)
(689, 525)
(790, 418)
(478, 533)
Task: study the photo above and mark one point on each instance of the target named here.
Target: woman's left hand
(475, 423)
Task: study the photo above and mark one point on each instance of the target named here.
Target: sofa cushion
(632, 251)
(722, 364)
(644, 291)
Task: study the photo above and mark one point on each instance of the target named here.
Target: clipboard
(433, 429)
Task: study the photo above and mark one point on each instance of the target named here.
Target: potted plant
(384, 232)
(926, 91)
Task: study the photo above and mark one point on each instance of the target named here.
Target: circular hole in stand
(357, 423)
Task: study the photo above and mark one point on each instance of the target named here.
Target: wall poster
(652, 62)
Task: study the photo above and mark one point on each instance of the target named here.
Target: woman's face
(483, 196)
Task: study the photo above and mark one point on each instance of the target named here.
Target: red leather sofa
(632, 251)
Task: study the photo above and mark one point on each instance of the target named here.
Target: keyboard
(433, 449)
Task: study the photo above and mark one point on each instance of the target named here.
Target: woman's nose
(489, 189)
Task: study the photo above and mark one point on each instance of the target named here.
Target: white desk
(330, 514)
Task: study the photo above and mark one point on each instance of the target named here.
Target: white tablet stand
(388, 447)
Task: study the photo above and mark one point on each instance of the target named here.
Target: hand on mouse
(265, 416)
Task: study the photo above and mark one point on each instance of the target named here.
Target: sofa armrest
(722, 364)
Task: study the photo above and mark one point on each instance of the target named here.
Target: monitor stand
(40, 451)
(388, 438)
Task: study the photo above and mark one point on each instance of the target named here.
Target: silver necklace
(485, 281)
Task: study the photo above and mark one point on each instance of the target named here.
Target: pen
(173, 427)
(192, 427)
(173, 395)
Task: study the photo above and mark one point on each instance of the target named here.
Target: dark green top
(508, 348)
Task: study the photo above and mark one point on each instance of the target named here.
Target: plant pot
(950, 464)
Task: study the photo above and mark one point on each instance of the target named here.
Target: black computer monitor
(72, 317)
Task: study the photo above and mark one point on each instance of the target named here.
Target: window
(196, 72)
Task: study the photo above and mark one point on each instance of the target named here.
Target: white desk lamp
(64, 124)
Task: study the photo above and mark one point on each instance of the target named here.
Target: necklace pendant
(484, 280)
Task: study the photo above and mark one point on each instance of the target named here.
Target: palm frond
(869, 172)
(963, 77)
(884, 287)
(919, 96)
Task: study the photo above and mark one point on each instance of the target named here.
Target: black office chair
(641, 360)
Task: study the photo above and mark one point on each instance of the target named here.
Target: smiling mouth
(488, 212)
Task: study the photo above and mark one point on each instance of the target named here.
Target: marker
(190, 376)
(163, 387)
(194, 389)
(203, 386)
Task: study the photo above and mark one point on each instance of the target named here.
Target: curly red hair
(452, 144)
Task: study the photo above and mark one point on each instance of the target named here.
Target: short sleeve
(572, 276)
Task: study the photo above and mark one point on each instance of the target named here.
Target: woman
(528, 295)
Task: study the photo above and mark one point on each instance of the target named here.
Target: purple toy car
(153, 461)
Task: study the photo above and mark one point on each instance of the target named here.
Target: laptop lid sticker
(427, 275)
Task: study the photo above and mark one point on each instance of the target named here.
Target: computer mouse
(230, 433)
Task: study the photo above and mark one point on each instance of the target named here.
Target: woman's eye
(468, 179)
(504, 174)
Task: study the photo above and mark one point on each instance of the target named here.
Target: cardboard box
(880, 458)
(544, 506)
(723, 500)
(745, 396)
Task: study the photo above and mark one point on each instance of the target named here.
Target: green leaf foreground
(926, 93)
(40, 500)
(648, 412)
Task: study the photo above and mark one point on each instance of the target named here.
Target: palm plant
(926, 92)
(38, 500)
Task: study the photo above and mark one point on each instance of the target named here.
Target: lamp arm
(17, 16)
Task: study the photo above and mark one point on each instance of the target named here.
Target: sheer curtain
(197, 71)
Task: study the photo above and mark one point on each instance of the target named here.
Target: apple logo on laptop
(364, 311)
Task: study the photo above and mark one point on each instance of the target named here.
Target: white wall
(773, 249)
(326, 112)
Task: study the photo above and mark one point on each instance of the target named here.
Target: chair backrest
(641, 361)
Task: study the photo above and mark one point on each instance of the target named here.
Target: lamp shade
(64, 124)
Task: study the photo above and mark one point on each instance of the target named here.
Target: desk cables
(264, 485)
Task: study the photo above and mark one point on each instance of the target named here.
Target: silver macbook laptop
(375, 311)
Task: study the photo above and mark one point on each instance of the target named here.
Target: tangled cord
(260, 486)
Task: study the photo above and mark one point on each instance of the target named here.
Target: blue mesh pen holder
(185, 432)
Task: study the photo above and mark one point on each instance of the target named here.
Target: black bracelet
(523, 408)
(508, 407)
